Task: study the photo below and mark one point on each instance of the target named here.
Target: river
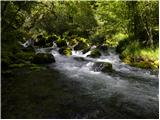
(71, 88)
(128, 90)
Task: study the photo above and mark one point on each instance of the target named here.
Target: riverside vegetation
(34, 33)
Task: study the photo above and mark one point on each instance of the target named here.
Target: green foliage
(138, 56)
(132, 26)
(24, 55)
(95, 53)
(80, 46)
(43, 58)
(65, 51)
(61, 43)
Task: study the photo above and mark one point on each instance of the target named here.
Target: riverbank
(133, 54)
(76, 86)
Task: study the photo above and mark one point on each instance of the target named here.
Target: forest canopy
(131, 26)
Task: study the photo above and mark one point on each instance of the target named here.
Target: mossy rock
(51, 39)
(85, 50)
(61, 43)
(80, 46)
(103, 48)
(65, 51)
(156, 63)
(102, 66)
(73, 42)
(41, 41)
(42, 58)
(28, 49)
(95, 53)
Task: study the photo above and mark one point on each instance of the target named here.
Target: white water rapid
(132, 89)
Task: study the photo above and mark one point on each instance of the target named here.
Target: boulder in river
(65, 51)
(85, 50)
(61, 43)
(81, 59)
(28, 49)
(102, 66)
(103, 48)
(42, 58)
(50, 40)
(80, 46)
(41, 41)
(95, 53)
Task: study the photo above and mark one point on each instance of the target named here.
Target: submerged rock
(42, 58)
(102, 66)
(81, 59)
(95, 54)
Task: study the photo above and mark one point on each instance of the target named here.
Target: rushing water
(128, 92)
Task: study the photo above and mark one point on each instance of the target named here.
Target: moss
(61, 43)
(95, 53)
(85, 50)
(65, 51)
(28, 49)
(42, 58)
(107, 67)
(17, 65)
(102, 66)
(51, 38)
(73, 42)
(81, 45)
(25, 55)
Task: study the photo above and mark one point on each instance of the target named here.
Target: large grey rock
(102, 66)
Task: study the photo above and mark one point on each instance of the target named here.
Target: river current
(128, 92)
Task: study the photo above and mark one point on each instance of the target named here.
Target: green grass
(150, 53)
(138, 56)
(114, 40)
